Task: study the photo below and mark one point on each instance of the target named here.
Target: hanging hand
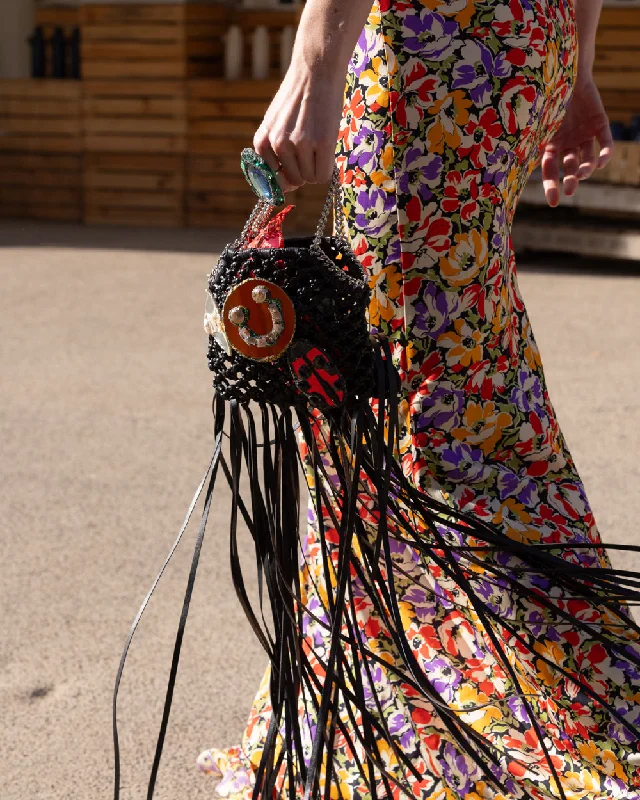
(585, 123)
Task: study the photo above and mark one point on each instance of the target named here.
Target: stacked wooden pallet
(51, 17)
(41, 149)
(134, 143)
(222, 118)
(159, 41)
(617, 66)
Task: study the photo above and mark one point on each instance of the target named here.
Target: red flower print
(484, 132)
(461, 194)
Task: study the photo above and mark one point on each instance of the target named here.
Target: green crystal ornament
(262, 179)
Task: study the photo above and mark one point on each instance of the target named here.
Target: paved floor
(105, 431)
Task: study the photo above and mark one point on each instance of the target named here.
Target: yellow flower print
(461, 10)
(482, 425)
(479, 718)
(584, 781)
(385, 286)
(376, 82)
(464, 344)
(466, 258)
(611, 765)
(451, 115)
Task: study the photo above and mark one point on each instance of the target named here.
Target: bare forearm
(587, 17)
(327, 34)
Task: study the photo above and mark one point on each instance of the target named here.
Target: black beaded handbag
(294, 364)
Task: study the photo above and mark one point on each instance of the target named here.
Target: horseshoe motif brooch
(259, 319)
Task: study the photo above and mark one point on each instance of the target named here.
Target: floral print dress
(449, 104)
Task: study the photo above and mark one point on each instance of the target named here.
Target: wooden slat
(216, 219)
(202, 146)
(630, 79)
(63, 16)
(126, 198)
(133, 125)
(136, 181)
(214, 201)
(620, 18)
(197, 182)
(35, 195)
(133, 144)
(230, 129)
(212, 166)
(40, 161)
(621, 99)
(133, 217)
(133, 88)
(134, 69)
(226, 109)
(56, 213)
(115, 14)
(29, 107)
(131, 51)
(217, 90)
(618, 58)
(134, 106)
(35, 125)
(137, 162)
(617, 37)
(17, 177)
(40, 88)
(41, 144)
(168, 32)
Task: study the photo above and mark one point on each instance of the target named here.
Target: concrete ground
(105, 433)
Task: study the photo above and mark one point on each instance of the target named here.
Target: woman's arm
(585, 120)
(587, 17)
(300, 128)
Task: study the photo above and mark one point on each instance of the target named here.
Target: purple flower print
(499, 227)
(444, 678)
(528, 396)
(433, 314)
(464, 463)
(474, 71)
(364, 50)
(367, 145)
(455, 768)
(430, 35)
(441, 409)
(420, 169)
(374, 205)
(511, 484)
(499, 164)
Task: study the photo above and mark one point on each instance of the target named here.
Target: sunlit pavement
(106, 431)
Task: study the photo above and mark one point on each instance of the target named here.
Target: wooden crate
(155, 41)
(134, 189)
(222, 117)
(617, 65)
(41, 186)
(134, 116)
(40, 116)
(624, 167)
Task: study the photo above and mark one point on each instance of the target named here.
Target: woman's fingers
(571, 165)
(605, 140)
(551, 174)
(587, 160)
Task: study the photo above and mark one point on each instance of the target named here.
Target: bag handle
(263, 210)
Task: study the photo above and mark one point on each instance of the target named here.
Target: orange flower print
(353, 112)
(466, 259)
(386, 286)
(482, 425)
(464, 345)
(376, 83)
(451, 115)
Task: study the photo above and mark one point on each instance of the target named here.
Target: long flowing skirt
(449, 104)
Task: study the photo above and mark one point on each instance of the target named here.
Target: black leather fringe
(366, 481)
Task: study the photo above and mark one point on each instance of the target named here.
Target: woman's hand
(300, 129)
(585, 121)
